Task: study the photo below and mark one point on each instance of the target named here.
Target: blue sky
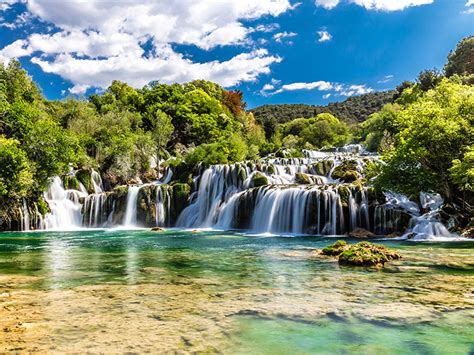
(275, 51)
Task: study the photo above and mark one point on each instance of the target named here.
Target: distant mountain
(353, 110)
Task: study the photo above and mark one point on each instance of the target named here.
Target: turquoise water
(227, 292)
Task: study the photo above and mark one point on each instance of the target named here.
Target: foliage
(432, 131)
(461, 60)
(353, 110)
(317, 132)
(428, 79)
(462, 171)
(15, 173)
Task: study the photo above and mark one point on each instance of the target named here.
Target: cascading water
(65, 207)
(272, 195)
(130, 218)
(427, 226)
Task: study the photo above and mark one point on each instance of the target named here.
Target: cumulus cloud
(324, 86)
(470, 6)
(382, 5)
(324, 36)
(97, 41)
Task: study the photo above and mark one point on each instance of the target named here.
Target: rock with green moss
(335, 249)
(85, 177)
(323, 167)
(303, 179)
(71, 182)
(346, 171)
(360, 254)
(259, 180)
(367, 254)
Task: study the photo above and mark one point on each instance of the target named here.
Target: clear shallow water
(218, 291)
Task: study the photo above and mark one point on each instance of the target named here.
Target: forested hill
(354, 109)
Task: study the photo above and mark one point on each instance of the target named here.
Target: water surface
(117, 290)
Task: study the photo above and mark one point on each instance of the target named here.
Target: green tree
(461, 60)
(433, 131)
(15, 174)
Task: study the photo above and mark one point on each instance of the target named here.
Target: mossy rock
(71, 182)
(335, 249)
(346, 171)
(259, 180)
(85, 177)
(323, 167)
(303, 179)
(344, 194)
(367, 254)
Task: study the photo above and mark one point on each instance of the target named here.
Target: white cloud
(470, 9)
(320, 85)
(267, 28)
(354, 90)
(385, 79)
(97, 41)
(280, 36)
(327, 4)
(324, 36)
(334, 88)
(170, 69)
(382, 5)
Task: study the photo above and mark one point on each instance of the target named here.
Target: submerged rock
(367, 254)
(157, 229)
(360, 254)
(361, 233)
(335, 249)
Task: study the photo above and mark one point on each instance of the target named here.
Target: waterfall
(25, 217)
(64, 205)
(96, 182)
(130, 218)
(160, 218)
(428, 225)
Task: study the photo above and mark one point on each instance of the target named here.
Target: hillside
(353, 110)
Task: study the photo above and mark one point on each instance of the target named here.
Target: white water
(130, 218)
(428, 225)
(65, 207)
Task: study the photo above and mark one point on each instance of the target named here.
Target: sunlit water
(121, 290)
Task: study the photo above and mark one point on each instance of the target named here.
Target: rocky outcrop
(361, 254)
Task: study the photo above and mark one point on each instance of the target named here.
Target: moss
(303, 179)
(43, 206)
(367, 254)
(323, 167)
(71, 182)
(344, 193)
(84, 176)
(360, 254)
(346, 171)
(335, 249)
(259, 180)
(271, 169)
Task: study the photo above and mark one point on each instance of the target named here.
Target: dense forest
(351, 111)
(424, 131)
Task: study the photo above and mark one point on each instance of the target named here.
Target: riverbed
(211, 291)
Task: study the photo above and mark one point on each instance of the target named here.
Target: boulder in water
(157, 229)
(335, 249)
(346, 171)
(259, 180)
(360, 254)
(361, 233)
(303, 179)
(367, 254)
